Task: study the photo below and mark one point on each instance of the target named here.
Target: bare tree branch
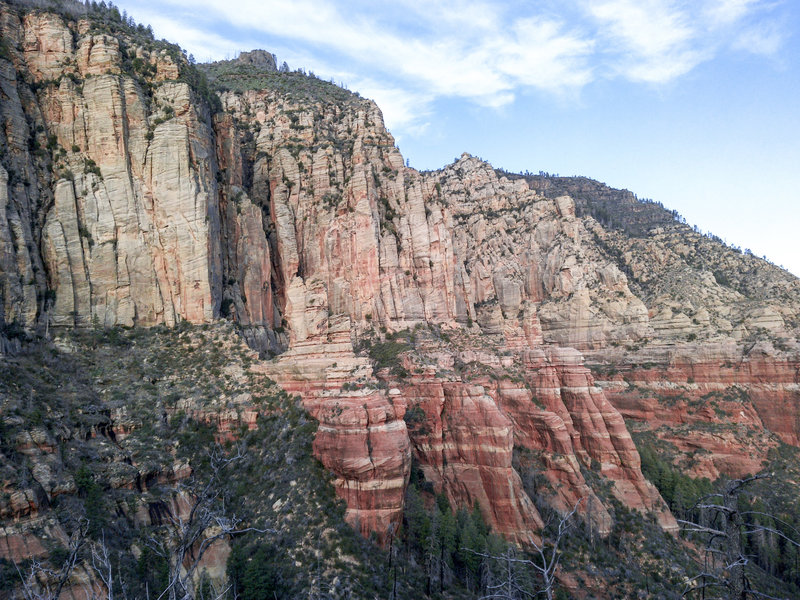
(546, 567)
(724, 538)
(207, 522)
(41, 583)
(101, 563)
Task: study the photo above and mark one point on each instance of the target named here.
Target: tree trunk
(734, 546)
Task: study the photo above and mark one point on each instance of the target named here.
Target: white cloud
(402, 110)
(764, 39)
(652, 39)
(203, 44)
(465, 15)
(644, 27)
(540, 55)
(727, 12)
(657, 41)
(461, 48)
(409, 53)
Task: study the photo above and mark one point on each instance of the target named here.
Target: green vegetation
(617, 209)
(680, 491)
(635, 559)
(386, 353)
(163, 389)
(158, 384)
(768, 504)
(254, 574)
(448, 543)
(109, 427)
(105, 18)
(5, 53)
(126, 408)
(772, 503)
(297, 86)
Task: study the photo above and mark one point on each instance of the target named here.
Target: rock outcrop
(361, 438)
(131, 196)
(723, 403)
(121, 188)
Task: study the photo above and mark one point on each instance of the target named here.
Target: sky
(691, 103)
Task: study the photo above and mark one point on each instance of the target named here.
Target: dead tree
(38, 582)
(182, 540)
(102, 566)
(508, 581)
(187, 535)
(510, 584)
(724, 571)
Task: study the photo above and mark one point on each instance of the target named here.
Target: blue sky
(693, 103)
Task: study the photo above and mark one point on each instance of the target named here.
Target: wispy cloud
(657, 41)
(406, 113)
(408, 54)
(727, 12)
(647, 40)
(203, 43)
(764, 39)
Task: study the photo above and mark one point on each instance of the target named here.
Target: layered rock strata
(128, 198)
(721, 404)
(362, 436)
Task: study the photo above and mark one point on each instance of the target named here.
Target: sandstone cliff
(445, 317)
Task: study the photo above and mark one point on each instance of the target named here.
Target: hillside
(477, 351)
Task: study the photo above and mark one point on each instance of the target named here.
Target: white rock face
(139, 235)
(132, 235)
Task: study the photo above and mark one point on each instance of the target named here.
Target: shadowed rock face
(125, 200)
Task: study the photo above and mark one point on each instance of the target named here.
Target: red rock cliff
(126, 200)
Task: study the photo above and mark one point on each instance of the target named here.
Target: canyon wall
(439, 317)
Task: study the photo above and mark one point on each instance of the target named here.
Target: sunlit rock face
(490, 327)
